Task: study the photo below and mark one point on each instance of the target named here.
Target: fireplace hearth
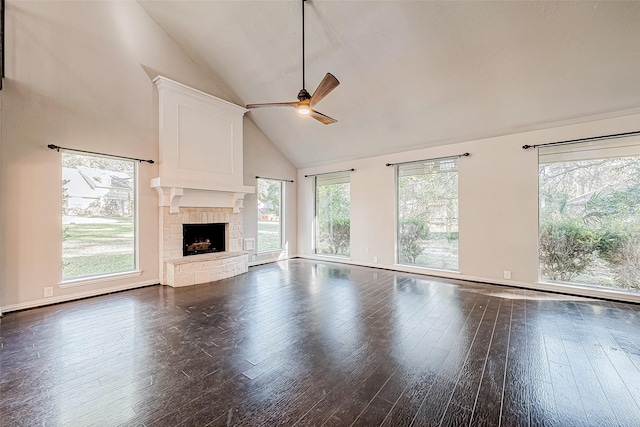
(203, 238)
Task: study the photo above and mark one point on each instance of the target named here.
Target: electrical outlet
(507, 274)
(48, 291)
(366, 249)
(375, 259)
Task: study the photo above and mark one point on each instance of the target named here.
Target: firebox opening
(203, 238)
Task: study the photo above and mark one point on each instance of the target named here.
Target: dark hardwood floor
(302, 343)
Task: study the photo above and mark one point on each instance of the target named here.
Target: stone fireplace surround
(194, 269)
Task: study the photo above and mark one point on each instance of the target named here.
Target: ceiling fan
(306, 102)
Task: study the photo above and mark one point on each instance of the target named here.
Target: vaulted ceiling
(414, 73)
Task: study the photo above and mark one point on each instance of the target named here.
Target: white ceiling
(414, 73)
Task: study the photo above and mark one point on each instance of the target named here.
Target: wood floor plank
(569, 407)
(515, 410)
(576, 335)
(470, 376)
(488, 401)
(542, 407)
(435, 403)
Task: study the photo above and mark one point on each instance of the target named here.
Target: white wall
(78, 74)
(263, 159)
(498, 196)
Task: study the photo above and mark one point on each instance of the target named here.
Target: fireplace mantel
(175, 194)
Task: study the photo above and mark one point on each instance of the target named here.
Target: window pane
(333, 212)
(590, 217)
(98, 215)
(269, 208)
(428, 214)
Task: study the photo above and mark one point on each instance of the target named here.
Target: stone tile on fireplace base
(195, 269)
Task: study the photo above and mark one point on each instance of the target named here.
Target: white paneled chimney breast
(200, 139)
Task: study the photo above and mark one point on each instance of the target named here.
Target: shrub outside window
(333, 214)
(589, 214)
(269, 215)
(427, 220)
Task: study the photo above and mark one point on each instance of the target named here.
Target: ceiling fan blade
(273, 104)
(322, 118)
(327, 84)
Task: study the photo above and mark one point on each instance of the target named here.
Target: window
(427, 222)
(269, 215)
(98, 215)
(589, 214)
(333, 211)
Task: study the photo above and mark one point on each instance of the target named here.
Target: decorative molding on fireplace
(168, 196)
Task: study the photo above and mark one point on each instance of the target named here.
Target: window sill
(343, 257)
(421, 267)
(270, 251)
(98, 279)
(590, 291)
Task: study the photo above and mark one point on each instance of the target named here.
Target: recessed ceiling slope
(415, 74)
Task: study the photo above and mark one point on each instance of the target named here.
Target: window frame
(316, 222)
(397, 245)
(281, 219)
(135, 271)
(570, 154)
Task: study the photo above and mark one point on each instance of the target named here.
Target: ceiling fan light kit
(304, 107)
(306, 102)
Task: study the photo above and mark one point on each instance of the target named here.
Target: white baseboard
(265, 261)
(268, 257)
(79, 295)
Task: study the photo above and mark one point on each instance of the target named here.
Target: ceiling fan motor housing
(303, 95)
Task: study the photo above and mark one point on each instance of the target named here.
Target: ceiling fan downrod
(303, 94)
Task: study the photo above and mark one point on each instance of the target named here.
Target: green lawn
(97, 248)
(439, 253)
(269, 236)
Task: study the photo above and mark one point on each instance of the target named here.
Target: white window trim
(315, 223)
(136, 271)
(92, 280)
(596, 150)
(396, 245)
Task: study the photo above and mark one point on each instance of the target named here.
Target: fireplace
(179, 270)
(203, 238)
(200, 186)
